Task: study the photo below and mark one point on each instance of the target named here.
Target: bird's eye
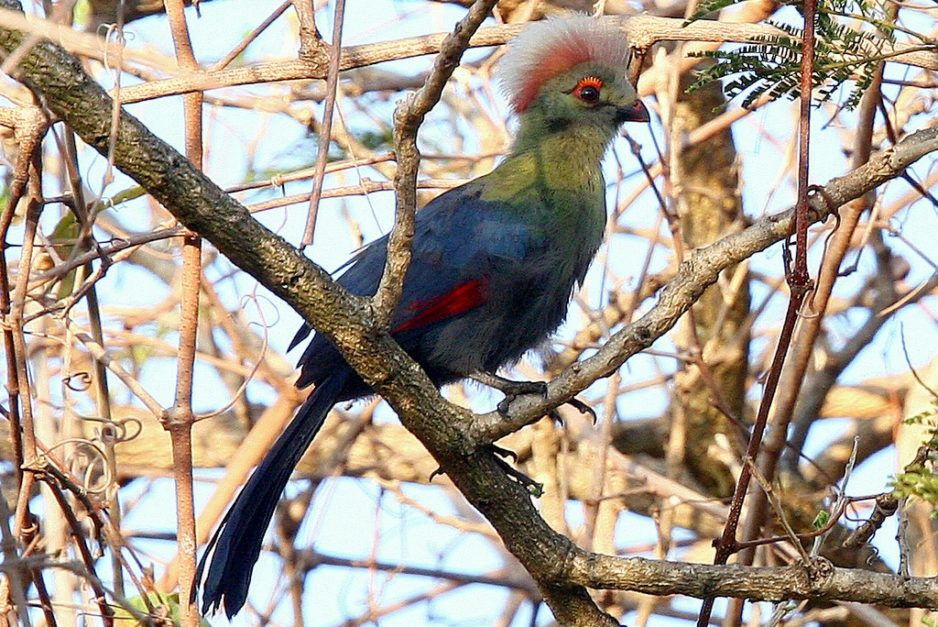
(588, 89)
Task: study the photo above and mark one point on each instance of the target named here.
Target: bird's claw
(514, 389)
(581, 407)
(531, 486)
(526, 387)
(503, 452)
(574, 402)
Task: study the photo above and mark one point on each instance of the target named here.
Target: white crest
(550, 47)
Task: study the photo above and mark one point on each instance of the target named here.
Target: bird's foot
(517, 389)
(514, 389)
(531, 486)
(503, 452)
(511, 389)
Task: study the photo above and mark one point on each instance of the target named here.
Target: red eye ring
(588, 88)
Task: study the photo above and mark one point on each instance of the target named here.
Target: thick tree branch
(821, 581)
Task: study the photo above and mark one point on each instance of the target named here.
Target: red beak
(635, 113)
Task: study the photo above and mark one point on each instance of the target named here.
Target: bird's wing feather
(464, 297)
(459, 239)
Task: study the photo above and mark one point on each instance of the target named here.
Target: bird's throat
(564, 157)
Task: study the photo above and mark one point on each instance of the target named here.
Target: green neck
(566, 160)
(588, 140)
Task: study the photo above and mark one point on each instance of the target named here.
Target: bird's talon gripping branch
(503, 452)
(511, 389)
(514, 389)
(556, 417)
(531, 486)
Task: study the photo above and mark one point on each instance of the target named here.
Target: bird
(494, 266)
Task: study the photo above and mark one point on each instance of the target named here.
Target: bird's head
(571, 71)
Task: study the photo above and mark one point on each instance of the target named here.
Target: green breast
(565, 198)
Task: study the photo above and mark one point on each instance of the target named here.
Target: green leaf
(821, 520)
(126, 195)
(63, 238)
(772, 66)
(165, 606)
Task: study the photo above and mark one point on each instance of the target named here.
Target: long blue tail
(237, 542)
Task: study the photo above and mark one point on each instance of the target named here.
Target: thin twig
(408, 116)
(78, 537)
(779, 508)
(248, 39)
(799, 282)
(179, 420)
(88, 291)
(325, 129)
(23, 518)
(642, 31)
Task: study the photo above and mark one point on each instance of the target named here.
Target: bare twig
(408, 116)
(799, 283)
(643, 31)
(250, 37)
(179, 420)
(325, 130)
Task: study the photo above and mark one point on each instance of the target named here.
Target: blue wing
(459, 240)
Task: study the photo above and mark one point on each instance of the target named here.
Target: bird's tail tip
(225, 570)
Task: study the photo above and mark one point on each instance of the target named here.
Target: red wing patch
(460, 299)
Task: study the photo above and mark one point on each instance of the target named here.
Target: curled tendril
(277, 180)
(113, 34)
(255, 299)
(94, 457)
(114, 431)
(88, 461)
(79, 381)
(111, 432)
